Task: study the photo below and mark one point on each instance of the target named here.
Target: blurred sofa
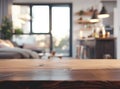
(10, 50)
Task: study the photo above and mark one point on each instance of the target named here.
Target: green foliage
(6, 28)
(63, 42)
(18, 31)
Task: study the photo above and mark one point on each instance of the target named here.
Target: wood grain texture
(63, 74)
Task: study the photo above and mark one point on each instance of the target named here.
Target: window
(48, 25)
(21, 17)
(60, 29)
(40, 19)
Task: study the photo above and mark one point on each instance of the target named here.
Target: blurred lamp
(94, 17)
(103, 13)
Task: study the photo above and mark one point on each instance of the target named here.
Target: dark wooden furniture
(59, 74)
(105, 46)
(98, 48)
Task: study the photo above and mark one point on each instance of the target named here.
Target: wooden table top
(67, 70)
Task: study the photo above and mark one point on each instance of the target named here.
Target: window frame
(50, 14)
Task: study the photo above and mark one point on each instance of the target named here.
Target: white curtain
(5, 8)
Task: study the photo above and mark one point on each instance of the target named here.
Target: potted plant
(6, 28)
(18, 31)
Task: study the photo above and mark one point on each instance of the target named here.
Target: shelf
(86, 13)
(85, 22)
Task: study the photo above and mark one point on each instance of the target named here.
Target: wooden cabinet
(98, 48)
(105, 46)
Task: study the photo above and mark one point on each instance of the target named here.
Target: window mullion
(31, 19)
(50, 26)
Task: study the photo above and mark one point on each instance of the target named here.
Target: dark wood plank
(59, 85)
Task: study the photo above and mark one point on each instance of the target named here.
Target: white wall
(77, 6)
(117, 28)
(110, 5)
(116, 32)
